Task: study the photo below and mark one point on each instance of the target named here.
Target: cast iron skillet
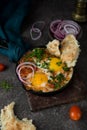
(40, 93)
(47, 93)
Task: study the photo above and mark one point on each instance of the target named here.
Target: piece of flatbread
(70, 50)
(10, 122)
(53, 47)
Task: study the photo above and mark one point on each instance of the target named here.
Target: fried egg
(55, 64)
(47, 74)
(43, 75)
(39, 79)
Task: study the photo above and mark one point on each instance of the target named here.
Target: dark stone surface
(74, 91)
(54, 118)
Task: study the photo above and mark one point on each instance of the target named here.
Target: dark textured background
(55, 118)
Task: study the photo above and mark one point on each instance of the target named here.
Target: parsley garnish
(57, 80)
(65, 68)
(38, 53)
(60, 77)
(57, 85)
(45, 65)
(59, 63)
(5, 85)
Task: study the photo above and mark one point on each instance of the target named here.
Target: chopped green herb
(57, 85)
(45, 65)
(57, 80)
(59, 63)
(52, 71)
(65, 68)
(27, 57)
(37, 63)
(49, 81)
(60, 77)
(5, 85)
(49, 58)
(52, 77)
(38, 53)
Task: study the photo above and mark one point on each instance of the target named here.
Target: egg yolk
(55, 64)
(39, 79)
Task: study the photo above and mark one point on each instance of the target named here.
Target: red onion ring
(60, 28)
(37, 30)
(71, 28)
(23, 65)
(29, 75)
(37, 25)
(24, 79)
(53, 25)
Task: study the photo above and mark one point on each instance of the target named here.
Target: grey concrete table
(55, 118)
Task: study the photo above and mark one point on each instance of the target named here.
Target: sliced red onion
(28, 76)
(39, 25)
(58, 37)
(23, 65)
(54, 25)
(70, 29)
(36, 30)
(60, 28)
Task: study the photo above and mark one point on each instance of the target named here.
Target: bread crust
(70, 50)
(53, 48)
(9, 120)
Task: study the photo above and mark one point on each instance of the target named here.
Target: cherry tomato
(2, 67)
(75, 112)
